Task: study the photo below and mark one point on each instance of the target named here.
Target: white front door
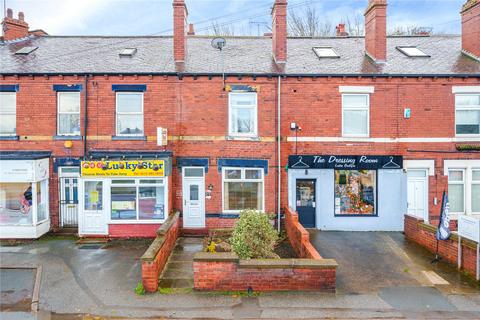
(193, 197)
(417, 200)
(93, 218)
(68, 202)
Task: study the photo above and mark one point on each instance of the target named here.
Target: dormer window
(26, 50)
(325, 52)
(128, 52)
(412, 51)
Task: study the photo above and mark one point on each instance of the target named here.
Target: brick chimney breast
(14, 28)
(279, 31)
(471, 28)
(179, 27)
(376, 30)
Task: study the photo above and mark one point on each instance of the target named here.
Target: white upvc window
(456, 190)
(467, 114)
(242, 111)
(68, 117)
(129, 119)
(243, 188)
(475, 190)
(8, 113)
(355, 115)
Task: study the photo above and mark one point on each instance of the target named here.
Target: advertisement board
(123, 168)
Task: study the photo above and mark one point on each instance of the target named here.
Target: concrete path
(101, 282)
(178, 273)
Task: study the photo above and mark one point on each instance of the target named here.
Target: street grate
(91, 246)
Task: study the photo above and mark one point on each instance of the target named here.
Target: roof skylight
(128, 52)
(412, 51)
(26, 50)
(325, 52)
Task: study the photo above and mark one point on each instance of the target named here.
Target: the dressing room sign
(360, 162)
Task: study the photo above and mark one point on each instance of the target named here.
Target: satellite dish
(219, 43)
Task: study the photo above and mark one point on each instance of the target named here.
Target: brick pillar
(376, 30)
(279, 31)
(471, 28)
(179, 22)
(14, 28)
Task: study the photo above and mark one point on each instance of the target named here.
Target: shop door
(417, 199)
(68, 202)
(193, 198)
(93, 217)
(306, 202)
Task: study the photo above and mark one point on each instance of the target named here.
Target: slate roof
(243, 55)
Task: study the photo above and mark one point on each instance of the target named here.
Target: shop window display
(355, 192)
(16, 200)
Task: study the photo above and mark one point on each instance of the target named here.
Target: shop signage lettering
(360, 162)
(128, 168)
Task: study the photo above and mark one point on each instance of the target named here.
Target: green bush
(253, 236)
(140, 290)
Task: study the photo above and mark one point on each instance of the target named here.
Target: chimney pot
(376, 30)
(341, 30)
(9, 13)
(471, 28)
(279, 31)
(191, 30)
(21, 16)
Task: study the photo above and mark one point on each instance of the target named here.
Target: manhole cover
(90, 246)
(16, 290)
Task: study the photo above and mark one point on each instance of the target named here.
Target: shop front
(24, 195)
(123, 198)
(348, 193)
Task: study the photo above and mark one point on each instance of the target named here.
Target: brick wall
(131, 230)
(225, 272)
(299, 237)
(424, 234)
(156, 256)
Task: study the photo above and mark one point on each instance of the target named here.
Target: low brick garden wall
(224, 271)
(424, 234)
(156, 256)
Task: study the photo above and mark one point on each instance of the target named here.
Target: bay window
(355, 192)
(355, 115)
(467, 114)
(243, 188)
(8, 113)
(138, 199)
(242, 114)
(129, 114)
(68, 119)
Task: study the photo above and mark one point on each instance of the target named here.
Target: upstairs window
(467, 114)
(8, 113)
(355, 115)
(68, 113)
(242, 114)
(129, 114)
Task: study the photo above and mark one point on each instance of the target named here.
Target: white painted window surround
(467, 167)
(420, 164)
(356, 89)
(465, 89)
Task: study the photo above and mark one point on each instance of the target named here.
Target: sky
(154, 17)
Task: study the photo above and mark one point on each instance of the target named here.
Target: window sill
(65, 137)
(159, 221)
(131, 138)
(242, 138)
(13, 138)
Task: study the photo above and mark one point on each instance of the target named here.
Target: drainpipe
(85, 121)
(279, 160)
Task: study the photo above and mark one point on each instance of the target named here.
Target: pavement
(381, 276)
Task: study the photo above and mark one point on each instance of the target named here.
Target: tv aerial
(219, 43)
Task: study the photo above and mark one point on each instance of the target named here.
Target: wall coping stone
(216, 257)
(163, 229)
(158, 242)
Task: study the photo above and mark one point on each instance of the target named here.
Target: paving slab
(419, 299)
(16, 288)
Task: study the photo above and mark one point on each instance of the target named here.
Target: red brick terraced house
(111, 134)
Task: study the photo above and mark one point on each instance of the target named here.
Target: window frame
(242, 179)
(465, 108)
(367, 108)
(136, 183)
(10, 114)
(231, 107)
(463, 183)
(473, 182)
(62, 112)
(117, 113)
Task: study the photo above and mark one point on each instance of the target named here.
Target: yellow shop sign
(126, 168)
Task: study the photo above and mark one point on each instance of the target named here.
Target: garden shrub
(254, 236)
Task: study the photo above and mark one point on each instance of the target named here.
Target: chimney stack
(471, 28)
(179, 39)
(14, 28)
(376, 30)
(341, 30)
(279, 31)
